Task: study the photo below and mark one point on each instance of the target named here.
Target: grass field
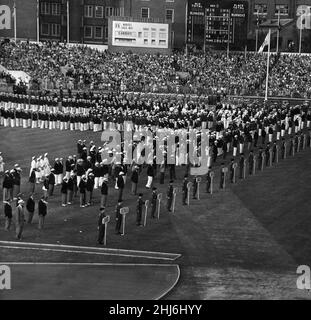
(242, 242)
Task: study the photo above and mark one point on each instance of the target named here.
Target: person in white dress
(32, 165)
(46, 165)
(1, 163)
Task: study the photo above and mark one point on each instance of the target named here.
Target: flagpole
(15, 24)
(228, 45)
(278, 35)
(300, 39)
(38, 22)
(257, 26)
(68, 23)
(268, 67)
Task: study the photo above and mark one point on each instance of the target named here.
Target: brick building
(88, 19)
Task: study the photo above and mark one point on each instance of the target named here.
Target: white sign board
(304, 17)
(140, 34)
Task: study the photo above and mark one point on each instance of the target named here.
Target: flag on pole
(266, 42)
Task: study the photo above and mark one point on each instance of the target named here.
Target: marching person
(42, 212)
(185, 191)
(169, 196)
(139, 209)
(32, 181)
(154, 198)
(82, 190)
(101, 226)
(118, 217)
(90, 188)
(231, 170)
(30, 206)
(242, 166)
(19, 219)
(70, 188)
(7, 186)
(208, 180)
(104, 193)
(150, 174)
(64, 192)
(251, 159)
(120, 185)
(51, 182)
(134, 179)
(7, 214)
(45, 186)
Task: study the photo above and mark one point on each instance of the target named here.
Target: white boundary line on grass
(106, 264)
(172, 256)
(87, 252)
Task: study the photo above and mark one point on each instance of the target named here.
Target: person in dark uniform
(90, 188)
(283, 149)
(64, 192)
(154, 198)
(7, 214)
(42, 212)
(32, 181)
(251, 162)
(134, 180)
(169, 196)
(30, 206)
(51, 182)
(118, 217)
(185, 191)
(82, 190)
(267, 154)
(241, 166)
(139, 209)
(101, 226)
(120, 185)
(231, 169)
(274, 150)
(208, 180)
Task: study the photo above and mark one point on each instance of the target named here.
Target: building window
(109, 11)
(145, 13)
(99, 12)
(55, 9)
(55, 30)
(169, 15)
(45, 29)
(88, 32)
(88, 11)
(261, 9)
(98, 32)
(281, 9)
(45, 8)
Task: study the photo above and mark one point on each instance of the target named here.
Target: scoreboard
(221, 22)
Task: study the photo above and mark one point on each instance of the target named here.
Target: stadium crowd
(60, 66)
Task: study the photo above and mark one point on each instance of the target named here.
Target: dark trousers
(118, 224)
(138, 217)
(101, 234)
(169, 203)
(153, 210)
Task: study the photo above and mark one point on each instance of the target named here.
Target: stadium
(155, 150)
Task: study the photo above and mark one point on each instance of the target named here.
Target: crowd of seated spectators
(54, 66)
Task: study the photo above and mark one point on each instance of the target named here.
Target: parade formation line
(89, 250)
